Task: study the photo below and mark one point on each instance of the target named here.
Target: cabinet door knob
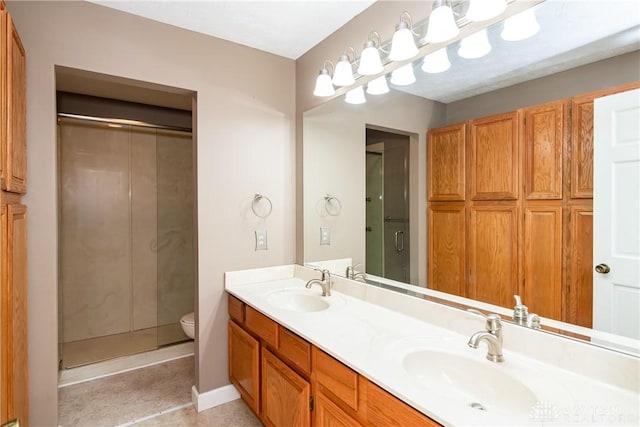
(602, 268)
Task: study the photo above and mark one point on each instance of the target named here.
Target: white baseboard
(213, 398)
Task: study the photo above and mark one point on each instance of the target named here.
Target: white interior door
(616, 204)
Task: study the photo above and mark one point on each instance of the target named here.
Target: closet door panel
(494, 157)
(493, 254)
(446, 251)
(446, 163)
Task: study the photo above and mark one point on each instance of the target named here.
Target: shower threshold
(92, 350)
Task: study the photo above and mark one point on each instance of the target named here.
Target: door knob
(602, 268)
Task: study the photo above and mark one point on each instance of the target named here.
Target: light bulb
(442, 25)
(436, 62)
(355, 96)
(483, 10)
(403, 76)
(323, 84)
(520, 26)
(343, 75)
(403, 46)
(378, 86)
(475, 46)
(370, 62)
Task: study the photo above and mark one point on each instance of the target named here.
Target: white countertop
(374, 340)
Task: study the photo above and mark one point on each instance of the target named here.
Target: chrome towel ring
(332, 205)
(255, 206)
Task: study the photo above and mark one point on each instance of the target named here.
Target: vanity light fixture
(370, 63)
(442, 25)
(324, 87)
(521, 26)
(378, 86)
(403, 76)
(403, 45)
(355, 96)
(475, 46)
(436, 62)
(483, 10)
(343, 75)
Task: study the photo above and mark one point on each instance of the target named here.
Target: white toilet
(188, 324)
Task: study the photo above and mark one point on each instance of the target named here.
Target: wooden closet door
(580, 260)
(14, 403)
(494, 150)
(446, 163)
(14, 109)
(493, 254)
(542, 260)
(544, 139)
(446, 249)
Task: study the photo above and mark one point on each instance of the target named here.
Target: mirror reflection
(479, 218)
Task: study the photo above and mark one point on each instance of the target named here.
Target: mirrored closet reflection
(125, 230)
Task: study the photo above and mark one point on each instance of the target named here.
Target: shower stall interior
(126, 238)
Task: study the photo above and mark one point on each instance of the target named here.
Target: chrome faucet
(325, 283)
(492, 335)
(353, 274)
(522, 317)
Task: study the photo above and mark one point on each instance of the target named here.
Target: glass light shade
(403, 76)
(323, 84)
(520, 26)
(403, 46)
(436, 62)
(370, 62)
(442, 25)
(343, 75)
(475, 46)
(355, 96)
(378, 86)
(482, 10)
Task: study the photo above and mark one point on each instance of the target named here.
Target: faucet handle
(520, 311)
(494, 321)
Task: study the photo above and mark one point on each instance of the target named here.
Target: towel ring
(256, 200)
(330, 203)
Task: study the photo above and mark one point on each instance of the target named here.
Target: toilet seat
(188, 319)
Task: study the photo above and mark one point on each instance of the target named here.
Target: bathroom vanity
(353, 358)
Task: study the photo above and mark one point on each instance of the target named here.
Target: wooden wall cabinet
(14, 393)
(13, 123)
(446, 248)
(299, 385)
(446, 163)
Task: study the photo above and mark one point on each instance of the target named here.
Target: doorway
(387, 205)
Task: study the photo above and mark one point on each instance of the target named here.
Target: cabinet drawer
(261, 325)
(336, 378)
(294, 348)
(384, 409)
(236, 309)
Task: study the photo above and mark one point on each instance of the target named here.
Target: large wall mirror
(365, 165)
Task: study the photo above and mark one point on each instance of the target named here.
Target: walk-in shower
(126, 237)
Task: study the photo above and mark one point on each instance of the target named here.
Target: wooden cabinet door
(580, 282)
(446, 249)
(493, 254)
(544, 137)
(14, 110)
(244, 365)
(328, 414)
(385, 410)
(542, 260)
(13, 312)
(446, 163)
(494, 150)
(285, 394)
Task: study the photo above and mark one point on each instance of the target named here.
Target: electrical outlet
(261, 240)
(325, 236)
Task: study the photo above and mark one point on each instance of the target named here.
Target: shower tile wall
(127, 262)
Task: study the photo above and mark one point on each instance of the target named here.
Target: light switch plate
(325, 236)
(261, 240)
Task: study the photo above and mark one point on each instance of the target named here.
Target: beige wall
(334, 162)
(245, 144)
(598, 75)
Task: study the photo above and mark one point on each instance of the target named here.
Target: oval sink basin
(479, 384)
(300, 301)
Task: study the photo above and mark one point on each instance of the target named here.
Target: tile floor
(135, 397)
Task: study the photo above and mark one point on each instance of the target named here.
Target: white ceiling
(286, 28)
